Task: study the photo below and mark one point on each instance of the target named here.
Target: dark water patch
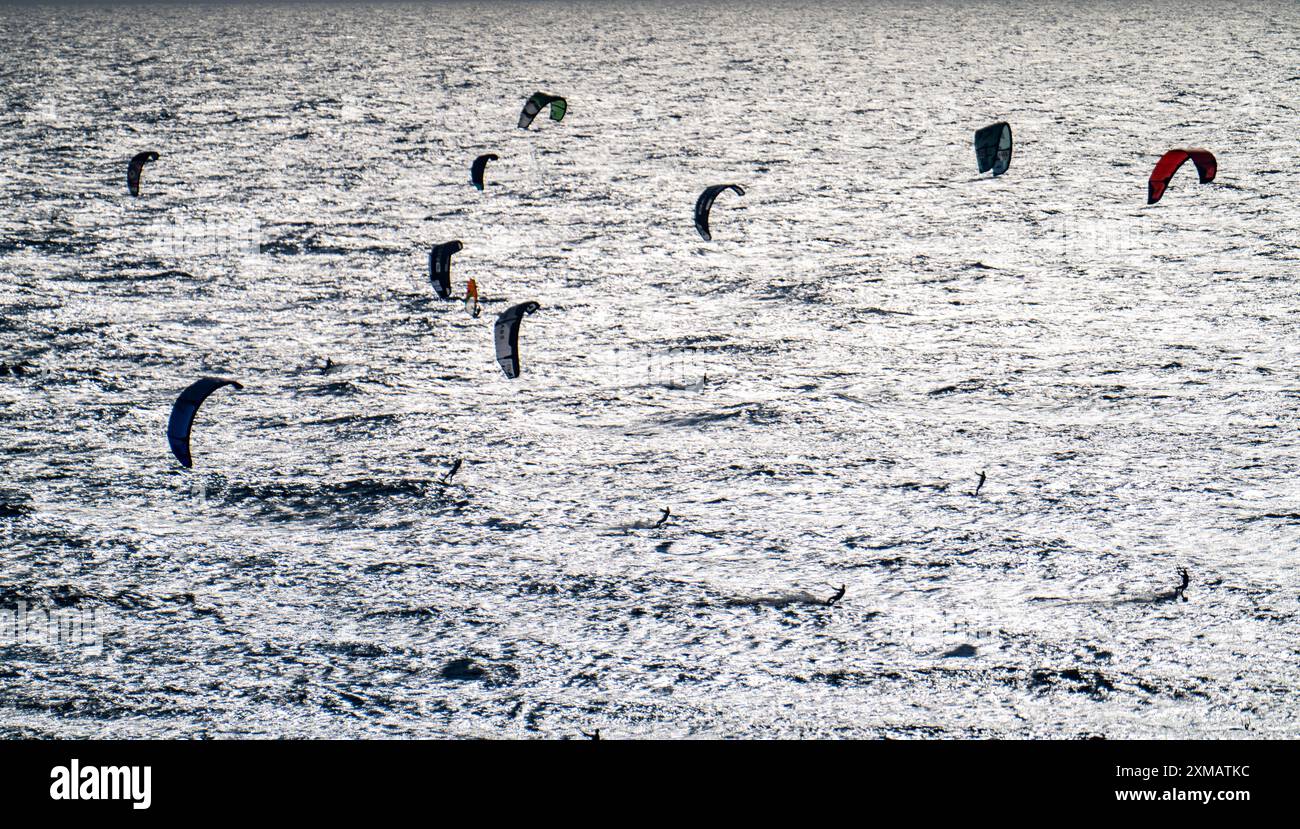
(1041, 681)
(21, 368)
(56, 595)
(882, 312)
(15, 504)
(586, 587)
(341, 388)
(398, 567)
(355, 420)
(1288, 517)
(864, 542)
(504, 525)
(419, 614)
(77, 596)
(798, 291)
(964, 387)
(462, 670)
(363, 650)
(779, 600)
(343, 502)
(754, 413)
(918, 486)
(310, 244)
(125, 274)
(478, 669)
(1072, 680)
(78, 247)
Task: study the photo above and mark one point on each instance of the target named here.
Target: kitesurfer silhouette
(455, 467)
(1178, 592)
(839, 594)
(663, 518)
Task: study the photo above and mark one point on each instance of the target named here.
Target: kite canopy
(183, 411)
(993, 148)
(476, 169)
(534, 105)
(133, 170)
(705, 203)
(440, 267)
(1206, 167)
(506, 334)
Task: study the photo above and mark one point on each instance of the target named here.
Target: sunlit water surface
(813, 394)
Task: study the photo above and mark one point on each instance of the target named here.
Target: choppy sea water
(813, 394)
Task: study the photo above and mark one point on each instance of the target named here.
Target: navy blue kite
(993, 148)
(183, 411)
(440, 267)
(133, 170)
(705, 203)
(476, 169)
